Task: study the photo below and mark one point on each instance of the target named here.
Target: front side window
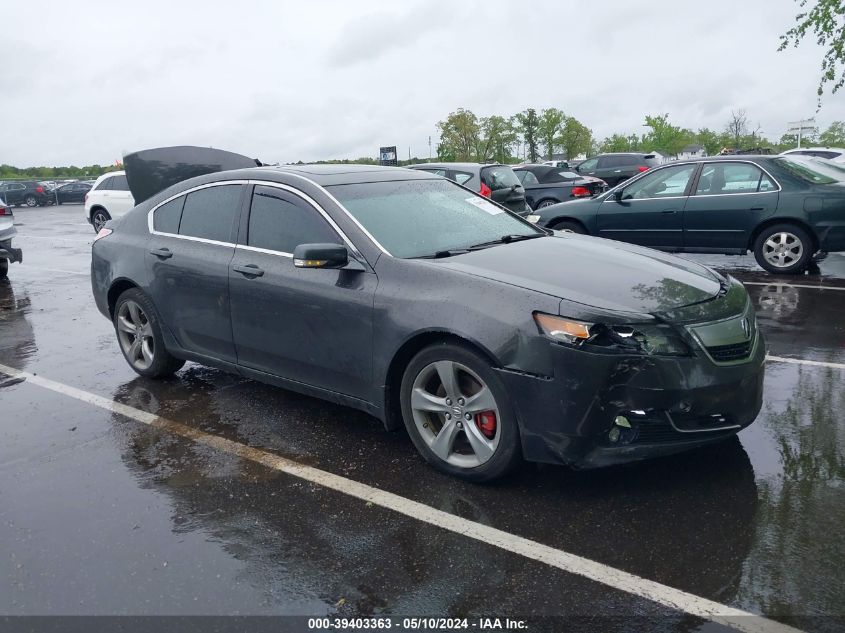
(732, 178)
(281, 222)
(662, 183)
(419, 218)
(166, 218)
(210, 213)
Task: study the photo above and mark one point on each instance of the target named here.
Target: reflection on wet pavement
(96, 504)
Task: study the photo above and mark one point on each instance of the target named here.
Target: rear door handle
(249, 270)
(668, 211)
(164, 253)
(758, 208)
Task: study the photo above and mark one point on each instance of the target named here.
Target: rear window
(812, 170)
(817, 153)
(210, 213)
(499, 177)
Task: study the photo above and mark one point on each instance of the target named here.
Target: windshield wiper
(506, 239)
(441, 254)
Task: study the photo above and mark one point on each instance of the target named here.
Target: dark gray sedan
(414, 299)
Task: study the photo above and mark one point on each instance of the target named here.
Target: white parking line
(597, 572)
(790, 285)
(85, 238)
(799, 361)
(55, 270)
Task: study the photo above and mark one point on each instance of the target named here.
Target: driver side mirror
(617, 195)
(320, 256)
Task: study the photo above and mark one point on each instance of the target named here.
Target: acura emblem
(746, 327)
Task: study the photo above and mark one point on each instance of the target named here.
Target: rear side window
(104, 184)
(527, 178)
(499, 177)
(731, 178)
(462, 177)
(280, 222)
(210, 213)
(166, 218)
(118, 183)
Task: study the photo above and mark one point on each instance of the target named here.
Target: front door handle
(164, 253)
(758, 208)
(669, 211)
(249, 270)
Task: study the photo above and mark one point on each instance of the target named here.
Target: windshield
(418, 218)
(818, 171)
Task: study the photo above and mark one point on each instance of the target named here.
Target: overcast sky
(284, 81)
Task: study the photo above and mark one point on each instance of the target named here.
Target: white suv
(109, 198)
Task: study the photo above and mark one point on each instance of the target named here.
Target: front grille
(726, 353)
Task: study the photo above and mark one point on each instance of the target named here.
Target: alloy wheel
(783, 249)
(135, 333)
(31, 201)
(455, 413)
(99, 220)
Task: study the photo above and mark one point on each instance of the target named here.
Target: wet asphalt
(101, 515)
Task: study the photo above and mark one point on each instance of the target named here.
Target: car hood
(594, 272)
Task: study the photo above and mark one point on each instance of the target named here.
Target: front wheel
(783, 248)
(139, 335)
(458, 415)
(99, 219)
(568, 225)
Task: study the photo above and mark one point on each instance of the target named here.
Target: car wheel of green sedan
(783, 248)
(575, 227)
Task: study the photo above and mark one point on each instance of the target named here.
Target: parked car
(411, 298)
(546, 185)
(7, 231)
(109, 198)
(557, 163)
(71, 192)
(24, 193)
(836, 154)
(616, 168)
(494, 181)
(783, 209)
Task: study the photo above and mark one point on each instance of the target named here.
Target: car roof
(456, 165)
(326, 175)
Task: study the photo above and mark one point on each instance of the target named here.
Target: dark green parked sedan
(784, 209)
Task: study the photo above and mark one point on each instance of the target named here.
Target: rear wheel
(99, 219)
(30, 201)
(568, 225)
(458, 414)
(783, 248)
(546, 203)
(4, 268)
(139, 335)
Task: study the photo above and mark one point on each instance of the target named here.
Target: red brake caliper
(486, 422)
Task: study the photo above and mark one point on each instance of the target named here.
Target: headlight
(638, 338)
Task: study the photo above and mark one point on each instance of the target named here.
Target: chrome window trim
(744, 193)
(266, 251)
(190, 238)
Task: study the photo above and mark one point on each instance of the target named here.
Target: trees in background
(825, 19)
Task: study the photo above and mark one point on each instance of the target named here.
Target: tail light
(580, 192)
(5, 211)
(39, 189)
(486, 191)
(103, 233)
(642, 168)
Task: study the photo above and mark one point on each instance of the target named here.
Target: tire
(4, 268)
(99, 217)
(785, 249)
(569, 225)
(30, 201)
(546, 203)
(474, 449)
(138, 330)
